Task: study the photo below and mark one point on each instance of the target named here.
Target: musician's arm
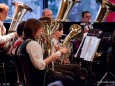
(7, 37)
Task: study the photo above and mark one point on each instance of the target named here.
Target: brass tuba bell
(105, 8)
(20, 11)
(66, 6)
(75, 30)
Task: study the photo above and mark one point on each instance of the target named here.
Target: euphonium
(75, 30)
(20, 11)
(105, 8)
(66, 6)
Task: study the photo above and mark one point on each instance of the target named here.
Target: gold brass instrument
(47, 33)
(75, 30)
(66, 6)
(105, 9)
(50, 26)
(20, 11)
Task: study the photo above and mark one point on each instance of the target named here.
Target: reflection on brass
(20, 11)
(98, 54)
(64, 10)
(75, 30)
(106, 8)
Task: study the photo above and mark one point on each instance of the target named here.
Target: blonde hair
(3, 6)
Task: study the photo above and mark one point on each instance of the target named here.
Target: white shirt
(6, 38)
(2, 28)
(55, 42)
(34, 50)
(90, 26)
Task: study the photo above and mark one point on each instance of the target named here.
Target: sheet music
(85, 47)
(89, 48)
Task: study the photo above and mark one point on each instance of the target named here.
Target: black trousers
(53, 76)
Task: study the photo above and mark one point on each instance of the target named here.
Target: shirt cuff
(58, 53)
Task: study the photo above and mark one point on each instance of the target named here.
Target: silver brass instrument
(75, 30)
(66, 6)
(20, 11)
(105, 9)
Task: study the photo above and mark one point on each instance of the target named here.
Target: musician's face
(59, 33)
(3, 14)
(48, 13)
(39, 32)
(86, 18)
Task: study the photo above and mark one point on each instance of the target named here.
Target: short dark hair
(20, 28)
(84, 13)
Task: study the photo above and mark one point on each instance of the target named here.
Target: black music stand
(107, 63)
(93, 34)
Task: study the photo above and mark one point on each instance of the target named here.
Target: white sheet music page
(92, 48)
(85, 47)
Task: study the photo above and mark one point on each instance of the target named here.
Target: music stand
(90, 44)
(89, 48)
(107, 60)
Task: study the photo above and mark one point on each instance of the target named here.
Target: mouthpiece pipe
(64, 35)
(10, 18)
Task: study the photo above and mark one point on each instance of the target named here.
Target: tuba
(75, 30)
(66, 6)
(105, 8)
(50, 26)
(20, 11)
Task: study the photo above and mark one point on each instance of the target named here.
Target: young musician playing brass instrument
(33, 53)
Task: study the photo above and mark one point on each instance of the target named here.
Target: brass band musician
(47, 13)
(32, 51)
(86, 19)
(3, 14)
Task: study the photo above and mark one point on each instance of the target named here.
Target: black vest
(34, 77)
